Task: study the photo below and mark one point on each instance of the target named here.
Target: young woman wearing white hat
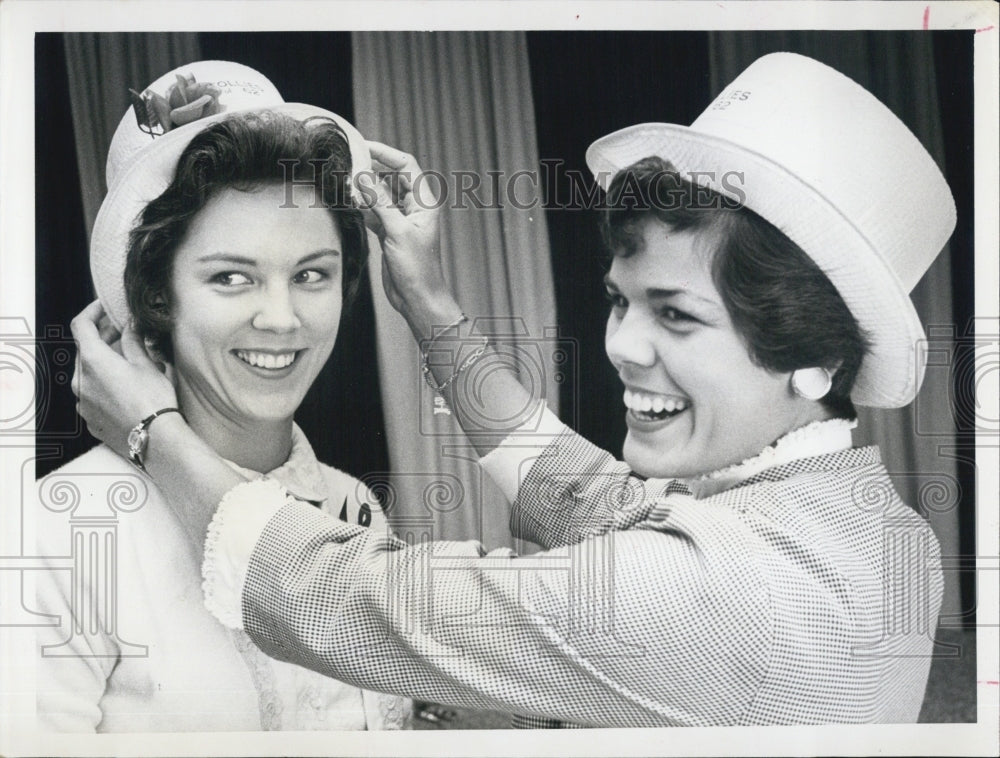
(745, 564)
(237, 279)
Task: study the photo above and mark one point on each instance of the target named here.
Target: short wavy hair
(786, 310)
(245, 152)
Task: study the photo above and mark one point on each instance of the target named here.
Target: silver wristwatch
(138, 438)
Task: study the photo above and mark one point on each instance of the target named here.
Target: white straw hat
(152, 135)
(830, 166)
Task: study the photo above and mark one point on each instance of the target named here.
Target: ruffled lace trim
(222, 575)
(394, 712)
(268, 700)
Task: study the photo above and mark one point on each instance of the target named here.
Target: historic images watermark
(552, 186)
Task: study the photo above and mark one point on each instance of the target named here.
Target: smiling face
(255, 302)
(696, 402)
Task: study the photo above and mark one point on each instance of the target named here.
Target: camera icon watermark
(543, 362)
(33, 370)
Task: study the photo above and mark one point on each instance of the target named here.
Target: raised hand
(118, 386)
(407, 213)
(409, 230)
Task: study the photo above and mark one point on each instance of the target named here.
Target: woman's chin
(681, 461)
(653, 463)
(278, 402)
(269, 413)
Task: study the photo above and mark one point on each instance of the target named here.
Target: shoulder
(96, 481)
(852, 482)
(99, 484)
(99, 459)
(341, 481)
(823, 522)
(100, 476)
(350, 499)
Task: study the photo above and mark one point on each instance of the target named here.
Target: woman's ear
(161, 362)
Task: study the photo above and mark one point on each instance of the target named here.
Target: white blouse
(159, 661)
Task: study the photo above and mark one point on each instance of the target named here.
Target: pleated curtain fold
(101, 68)
(461, 103)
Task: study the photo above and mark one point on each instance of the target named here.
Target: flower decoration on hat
(186, 100)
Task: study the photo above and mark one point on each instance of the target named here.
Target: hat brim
(891, 372)
(148, 174)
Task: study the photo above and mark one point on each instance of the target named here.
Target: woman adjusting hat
(739, 567)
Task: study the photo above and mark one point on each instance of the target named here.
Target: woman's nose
(626, 340)
(276, 312)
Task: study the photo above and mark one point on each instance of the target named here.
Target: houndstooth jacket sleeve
(567, 478)
(545, 635)
(563, 488)
(568, 633)
(765, 603)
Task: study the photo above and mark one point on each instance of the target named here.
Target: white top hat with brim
(829, 165)
(149, 140)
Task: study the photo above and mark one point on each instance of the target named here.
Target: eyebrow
(244, 261)
(661, 293)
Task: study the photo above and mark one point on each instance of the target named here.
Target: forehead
(273, 222)
(668, 259)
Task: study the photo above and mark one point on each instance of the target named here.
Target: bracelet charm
(472, 358)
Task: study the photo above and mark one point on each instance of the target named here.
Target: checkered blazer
(806, 594)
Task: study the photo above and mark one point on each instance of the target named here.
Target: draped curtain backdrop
(101, 68)
(922, 470)
(460, 102)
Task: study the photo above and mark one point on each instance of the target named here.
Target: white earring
(812, 383)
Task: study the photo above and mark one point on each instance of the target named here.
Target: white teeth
(643, 403)
(266, 360)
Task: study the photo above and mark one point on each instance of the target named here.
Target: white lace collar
(816, 438)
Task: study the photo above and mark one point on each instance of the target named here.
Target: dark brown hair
(244, 151)
(784, 307)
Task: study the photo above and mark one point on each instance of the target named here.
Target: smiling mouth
(270, 361)
(647, 406)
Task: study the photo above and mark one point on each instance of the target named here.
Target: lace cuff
(509, 463)
(236, 526)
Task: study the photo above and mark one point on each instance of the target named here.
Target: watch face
(137, 440)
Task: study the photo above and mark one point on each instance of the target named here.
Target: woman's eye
(676, 316)
(231, 279)
(617, 302)
(310, 276)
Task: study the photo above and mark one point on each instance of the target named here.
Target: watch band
(138, 437)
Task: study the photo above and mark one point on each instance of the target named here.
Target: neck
(260, 446)
(808, 412)
(804, 442)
